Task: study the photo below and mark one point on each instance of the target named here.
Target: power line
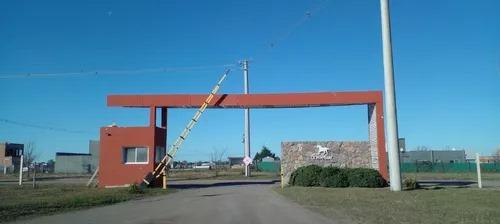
(7, 121)
(116, 72)
(280, 37)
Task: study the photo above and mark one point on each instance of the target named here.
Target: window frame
(124, 153)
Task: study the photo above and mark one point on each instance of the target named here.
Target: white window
(135, 155)
(160, 153)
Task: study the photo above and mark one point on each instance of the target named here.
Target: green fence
(273, 167)
(448, 167)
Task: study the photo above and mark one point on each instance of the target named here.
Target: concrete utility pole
(247, 118)
(478, 169)
(21, 171)
(390, 99)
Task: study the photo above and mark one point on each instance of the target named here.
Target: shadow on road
(220, 184)
(446, 183)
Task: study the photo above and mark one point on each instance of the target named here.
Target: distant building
(489, 159)
(268, 159)
(235, 161)
(10, 156)
(435, 156)
(68, 162)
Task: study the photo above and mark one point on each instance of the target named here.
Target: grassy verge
(452, 176)
(16, 202)
(364, 205)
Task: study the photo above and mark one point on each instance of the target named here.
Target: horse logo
(322, 150)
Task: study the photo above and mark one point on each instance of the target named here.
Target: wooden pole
(34, 175)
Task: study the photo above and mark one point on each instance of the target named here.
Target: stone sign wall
(325, 153)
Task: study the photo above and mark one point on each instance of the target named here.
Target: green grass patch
(379, 205)
(17, 202)
(452, 176)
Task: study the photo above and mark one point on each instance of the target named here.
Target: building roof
(71, 154)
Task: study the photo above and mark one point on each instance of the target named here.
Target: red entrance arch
(113, 171)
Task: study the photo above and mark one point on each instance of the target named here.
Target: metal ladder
(162, 166)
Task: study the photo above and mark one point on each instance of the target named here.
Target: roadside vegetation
(314, 176)
(20, 202)
(379, 205)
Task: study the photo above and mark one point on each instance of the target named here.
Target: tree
(497, 154)
(50, 165)
(264, 152)
(29, 154)
(216, 157)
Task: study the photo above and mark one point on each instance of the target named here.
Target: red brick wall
(112, 169)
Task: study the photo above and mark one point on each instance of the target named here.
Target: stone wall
(324, 153)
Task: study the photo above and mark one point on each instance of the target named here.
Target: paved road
(199, 202)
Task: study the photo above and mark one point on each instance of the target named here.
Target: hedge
(333, 177)
(313, 175)
(306, 176)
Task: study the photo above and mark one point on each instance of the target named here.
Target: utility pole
(478, 169)
(247, 118)
(390, 99)
(21, 171)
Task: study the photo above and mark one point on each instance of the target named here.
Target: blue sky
(446, 61)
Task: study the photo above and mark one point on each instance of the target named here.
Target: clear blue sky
(446, 60)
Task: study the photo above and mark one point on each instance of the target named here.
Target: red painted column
(382, 155)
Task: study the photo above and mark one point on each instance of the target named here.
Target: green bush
(313, 175)
(333, 177)
(410, 183)
(135, 189)
(306, 176)
(365, 177)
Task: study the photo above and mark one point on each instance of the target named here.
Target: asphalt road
(202, 202)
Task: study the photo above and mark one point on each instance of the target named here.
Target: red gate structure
(114, 171)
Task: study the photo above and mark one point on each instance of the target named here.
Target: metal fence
(272, 167)
(427, 166)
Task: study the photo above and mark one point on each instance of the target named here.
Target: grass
(17, 202)
(376, 205)
(452, 176)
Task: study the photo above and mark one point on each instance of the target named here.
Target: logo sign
(247, 160)
(322, 153)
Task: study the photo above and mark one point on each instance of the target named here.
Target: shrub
(135, 189)
(333, 177)
(410, 183)
(306, 176)
(365, 177)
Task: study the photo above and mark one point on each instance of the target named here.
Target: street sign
(247, 160)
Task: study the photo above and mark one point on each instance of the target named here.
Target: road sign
(247, 160)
